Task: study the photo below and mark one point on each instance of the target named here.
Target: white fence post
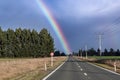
(115, 67)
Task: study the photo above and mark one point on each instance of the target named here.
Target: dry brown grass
(15, 67)
(108, 64)
(111, 62)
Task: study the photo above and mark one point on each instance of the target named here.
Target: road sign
(51, 54)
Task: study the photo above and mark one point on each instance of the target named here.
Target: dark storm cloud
(83, 28)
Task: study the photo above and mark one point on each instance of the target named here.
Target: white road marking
(79, 66)
(53, 71)
(85, 74)
(104, 69)
(81, 69)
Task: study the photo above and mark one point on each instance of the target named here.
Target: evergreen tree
(112, 53)
(106, 52)
(117, 52)
(63, 54)
(3, 40)
(57, 53)
(92, 52)
(50, 44)
(46, 42)
(98, 52)
(10, 43)
(25, 43)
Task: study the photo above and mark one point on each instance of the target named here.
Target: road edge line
(53, 71)
(104, 69)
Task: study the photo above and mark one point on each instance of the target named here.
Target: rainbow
(55, 26)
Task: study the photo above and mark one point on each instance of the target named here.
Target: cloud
(82, 18)
(79, 19)
(82, 8)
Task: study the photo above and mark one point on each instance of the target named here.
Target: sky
(80, 20)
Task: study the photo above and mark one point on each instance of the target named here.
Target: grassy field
(104, 61)
(105, 57)
(26, 69)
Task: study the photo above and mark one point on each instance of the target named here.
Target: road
(74, 69)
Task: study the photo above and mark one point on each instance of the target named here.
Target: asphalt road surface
(78, 70)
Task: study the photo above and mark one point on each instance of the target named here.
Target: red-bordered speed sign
(51, 54)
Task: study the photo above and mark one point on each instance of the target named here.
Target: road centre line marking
(81, 69)
(79, 66)
(85, 74)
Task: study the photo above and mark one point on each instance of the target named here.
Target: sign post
(52, 54)
(45, 65)
(115, 67)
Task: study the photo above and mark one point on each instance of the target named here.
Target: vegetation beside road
(26, 69)
(105, 57)
(104, 61)
(22, 53)
(23, 43)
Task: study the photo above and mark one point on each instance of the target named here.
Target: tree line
(25, 43)
(93, 52)
(58, 53)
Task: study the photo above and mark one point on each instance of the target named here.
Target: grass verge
(107, 62)
(27, 69)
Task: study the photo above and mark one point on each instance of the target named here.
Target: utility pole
(100, 43)
(78, 54)
(81, 53)
(86, 51)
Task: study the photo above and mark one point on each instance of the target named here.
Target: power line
(112, 27)
(108, 26)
